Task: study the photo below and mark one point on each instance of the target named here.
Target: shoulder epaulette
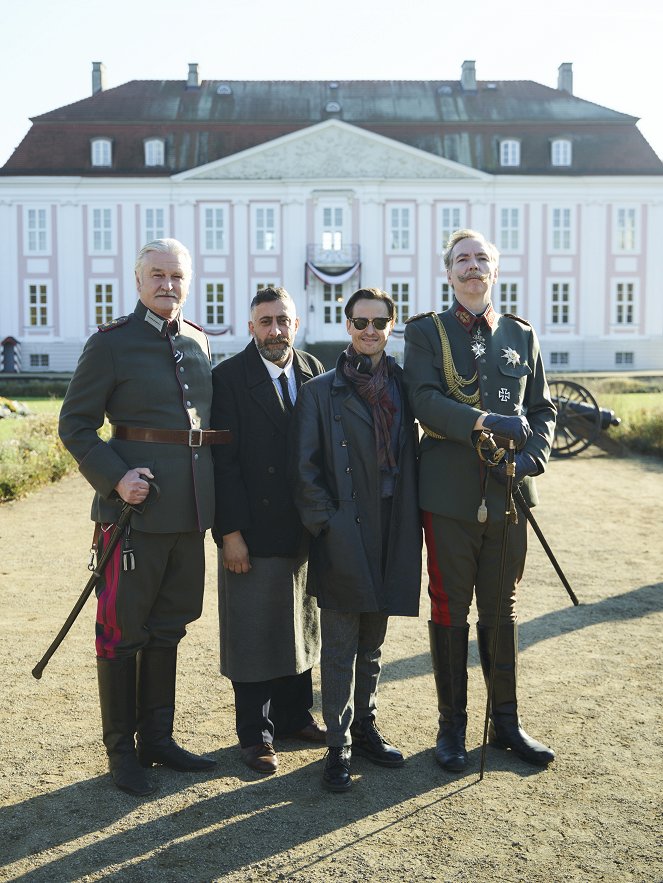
(116, 323)
(197, 327)
(517, 318)
(419, 316)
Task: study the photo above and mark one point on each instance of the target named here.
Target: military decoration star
(511, 356)
(478, 344)
(518, 408)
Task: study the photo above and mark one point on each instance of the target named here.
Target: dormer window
(155, 151)
(509, 153)
(560, 152)
(101, 152)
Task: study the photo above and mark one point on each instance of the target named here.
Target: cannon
(580, 420)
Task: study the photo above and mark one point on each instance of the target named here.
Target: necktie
(285, 392)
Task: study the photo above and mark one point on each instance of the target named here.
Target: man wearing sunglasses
(354, 467)
(470, 369)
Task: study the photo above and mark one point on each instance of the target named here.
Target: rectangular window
(261, 285)
(154, 224)
(103, 302)
(446, 296)
(560, 152)
(38, 305)
(508, 294)
(102, 230)
(36, 232)
(214, 229)
(561, 239)
(154, 152)
(509, 227)
(332, 228)
(509, 153)
(399, 229)
(265, 229)
(624, 358)
(560, 303)
(559, 358)
(401, 295)
(452, 217)
(215, 303)
(626, 229)
(101, 152)
(39, 360)
(333, 303)
(625, 303)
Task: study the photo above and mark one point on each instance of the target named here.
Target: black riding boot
(157, 670)
(504, 730)
(117, 698)
(448, 648)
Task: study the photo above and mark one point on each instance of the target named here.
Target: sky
(48, 47)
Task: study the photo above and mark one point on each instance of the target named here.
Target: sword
(114, 539)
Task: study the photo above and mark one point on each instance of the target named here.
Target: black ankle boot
(117, 699)
(336, 774)
(368, 741)
(448, 647)
(504, 730)
(157, 671)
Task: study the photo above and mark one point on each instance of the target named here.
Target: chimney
(193, 82)
(98, 77)
(565, 77)
(468, 77)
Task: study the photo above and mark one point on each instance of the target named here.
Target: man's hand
(525, 465)
(132, 488)
(515, 428)
(235, 553)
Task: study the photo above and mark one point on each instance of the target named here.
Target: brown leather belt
(194, 438)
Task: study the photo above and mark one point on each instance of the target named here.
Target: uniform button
(186, 386)
(348, 469)
(188, 404)
(483, 361)
(271, 470)
(354, 495)
(484, 377)
(265, 502)
(358, 520)
(337, 417)
(195, 456)
(181, 370)
(344, 443)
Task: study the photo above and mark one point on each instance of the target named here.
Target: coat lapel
(261, 388)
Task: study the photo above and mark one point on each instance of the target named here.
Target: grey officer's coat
(141, 371)
(511, 380)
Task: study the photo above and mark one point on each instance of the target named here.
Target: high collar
(469, 321)
(160, 325)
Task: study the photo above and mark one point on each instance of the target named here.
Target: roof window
(101, 152)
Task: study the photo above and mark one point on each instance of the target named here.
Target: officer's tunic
(142, 371)
(503, 352)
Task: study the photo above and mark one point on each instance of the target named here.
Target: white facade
(578, 253)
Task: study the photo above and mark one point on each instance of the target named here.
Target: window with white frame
(509, 229)
(39, 304)
(624, 358)
(559, 358)
(102, 233)
(103, 302)
(446, 296)
(264, 228)
(214, 236)
(626, 221)
(332, 228)
(509, 153)
(509, 297)
(561, 229)
(214, 302)
(261, 285)
(560, 302)
(625, 303)
(560, 152)
(155, 152)
(401, 293)
(399, 229)
(36, 231)
(333, 301)
(154, 224)
(101, 152)
(451, 217)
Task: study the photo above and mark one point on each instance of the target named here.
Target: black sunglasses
(362, 324)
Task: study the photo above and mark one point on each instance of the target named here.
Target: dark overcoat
(139, 372)
(337, 489)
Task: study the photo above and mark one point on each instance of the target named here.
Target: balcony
(333, 258)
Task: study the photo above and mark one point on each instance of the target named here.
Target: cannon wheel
(574, 432)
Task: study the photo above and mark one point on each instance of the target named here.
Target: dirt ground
(591, 685)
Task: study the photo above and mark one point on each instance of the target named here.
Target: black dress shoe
(312, 732)
(336, 774)
(368, 741)
(174, 757)
(261, 758)
(129, 775)
(507, 733)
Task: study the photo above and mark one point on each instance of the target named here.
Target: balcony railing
(346, 256)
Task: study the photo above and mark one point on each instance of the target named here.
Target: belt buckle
(197, 444)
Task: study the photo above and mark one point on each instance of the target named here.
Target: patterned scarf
(374, 390)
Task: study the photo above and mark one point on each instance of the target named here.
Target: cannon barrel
(608, 417)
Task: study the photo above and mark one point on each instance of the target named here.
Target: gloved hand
(525, 465)
(514, 428)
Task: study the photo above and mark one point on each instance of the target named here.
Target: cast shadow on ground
(256, 821)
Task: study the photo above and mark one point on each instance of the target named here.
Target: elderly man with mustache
(469, 370)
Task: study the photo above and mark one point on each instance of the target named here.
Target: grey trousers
(349, 669)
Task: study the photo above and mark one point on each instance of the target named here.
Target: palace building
(324, 186)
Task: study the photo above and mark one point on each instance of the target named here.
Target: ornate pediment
(331, 150)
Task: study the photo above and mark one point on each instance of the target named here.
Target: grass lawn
(628, 404)
(38, 407)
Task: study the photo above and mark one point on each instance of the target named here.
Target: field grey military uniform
(144, 373)
(458, 366)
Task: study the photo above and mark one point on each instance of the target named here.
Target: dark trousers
(268, 709)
